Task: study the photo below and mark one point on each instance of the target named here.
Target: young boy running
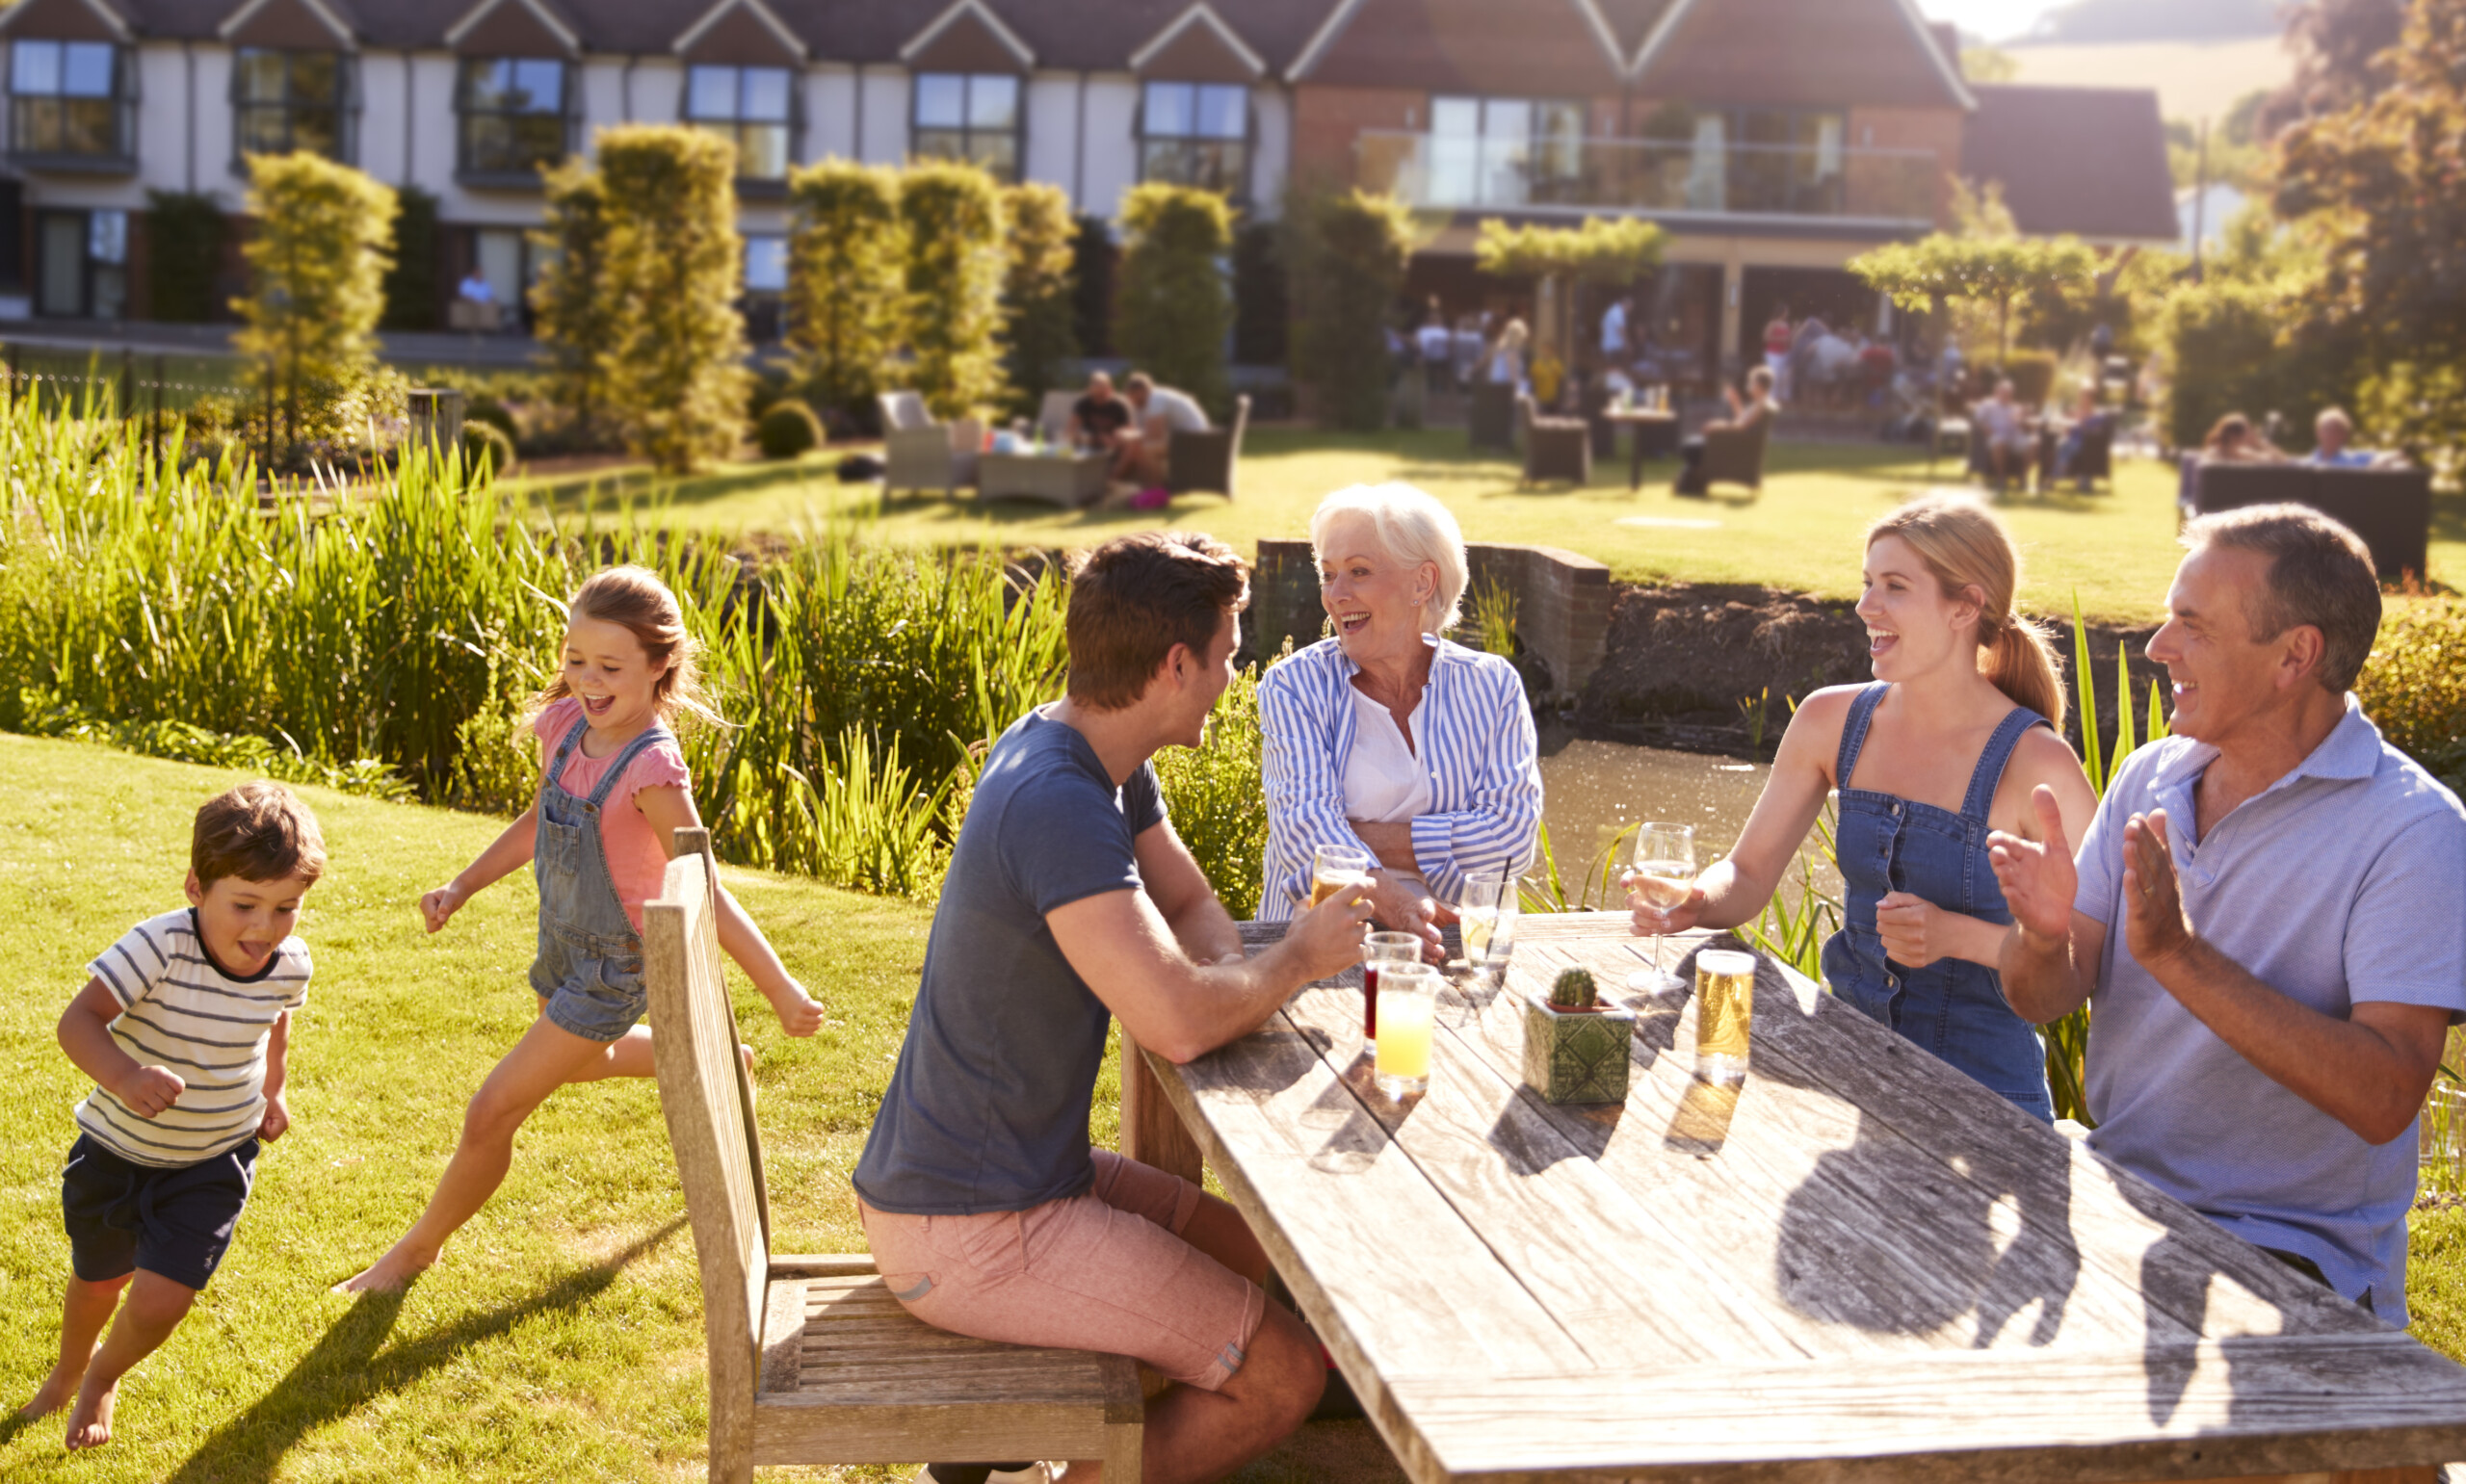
(185, 1026)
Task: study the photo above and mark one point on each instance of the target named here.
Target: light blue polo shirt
(2344, 881)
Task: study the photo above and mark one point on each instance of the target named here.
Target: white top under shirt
(1385, 782)
(178, 1010)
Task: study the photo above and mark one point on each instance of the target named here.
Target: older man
(2332, 443)
(1161, 412)
(2267, 914)
(1071, 902)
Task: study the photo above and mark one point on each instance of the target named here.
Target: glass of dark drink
(1381, 947)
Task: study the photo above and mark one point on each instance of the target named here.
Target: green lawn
(1803, 534)
(563, 1336)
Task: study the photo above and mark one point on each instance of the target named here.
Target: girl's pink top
(635, 860)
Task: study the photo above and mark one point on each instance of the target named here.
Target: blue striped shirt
(1476, 734)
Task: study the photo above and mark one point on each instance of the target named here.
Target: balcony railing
(1653, 177)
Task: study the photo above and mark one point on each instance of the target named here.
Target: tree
(1603, 249)
(2342, 57)
(1176, 306)
(317, 267)
(676, 379)
(410, 285)
(1040, 298)
(1988, 270)
(2377, 185)
(1349, 256)
(952, 214)
(573, 301)
(184, 248)
(847, 271)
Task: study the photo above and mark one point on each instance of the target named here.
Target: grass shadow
(345, 1370)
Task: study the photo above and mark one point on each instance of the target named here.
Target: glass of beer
(1333, 868)
(1664, 873)
(1487, 911)
(1407, 1008)
(1724, 1010)
(1381, 949)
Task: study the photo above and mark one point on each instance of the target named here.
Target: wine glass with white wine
(1664, 873)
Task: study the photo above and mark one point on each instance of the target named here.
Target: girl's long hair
(1966, 547)
(635, 598)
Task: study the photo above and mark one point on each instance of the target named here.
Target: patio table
(1067, 479)
(1651, 431)
(1860, 1265)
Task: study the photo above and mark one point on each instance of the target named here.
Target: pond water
(1593, 790)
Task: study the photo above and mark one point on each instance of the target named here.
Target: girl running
(613, 787)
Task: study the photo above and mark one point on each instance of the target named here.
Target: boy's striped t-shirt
(180, 1012)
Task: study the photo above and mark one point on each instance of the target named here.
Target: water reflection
(1592, 790)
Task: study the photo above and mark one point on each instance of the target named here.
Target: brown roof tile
(2088, 161)
(1545, 48)
(1807, 53)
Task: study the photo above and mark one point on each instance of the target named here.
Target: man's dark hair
(1137, 596)
(2319, 574)
(1138, 381)
(258, 832)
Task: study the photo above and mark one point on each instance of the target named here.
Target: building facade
(1772, 138)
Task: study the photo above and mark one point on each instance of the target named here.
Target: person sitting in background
(2234, 440)
(474, 304)
(2089, 423)
(1877, 364)
(1776, 349)
(1387, 737)
(2266, 912)
(2333, 434)
(1614, 331)
(1161, 412)
(1100, 423)
(2005, 442)
(1744, 412)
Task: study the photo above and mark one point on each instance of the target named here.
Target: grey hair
(1413, 528)
(2319, 574)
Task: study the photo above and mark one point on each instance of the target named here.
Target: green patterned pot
(1577, 1055)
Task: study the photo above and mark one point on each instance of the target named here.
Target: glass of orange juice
(1407, 1008)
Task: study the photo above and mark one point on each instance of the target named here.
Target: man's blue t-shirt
(987, 1110)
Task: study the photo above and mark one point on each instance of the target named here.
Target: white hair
(1413, 528)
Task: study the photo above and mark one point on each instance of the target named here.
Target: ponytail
(2020, 659)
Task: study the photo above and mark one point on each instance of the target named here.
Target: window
(81, 268)
(285, 100)
(766, 264)
(748, 107)
(1505, 151)
(1196, 134)
(1766, 159)
(513, 115)
(972, 115)
(70, 99)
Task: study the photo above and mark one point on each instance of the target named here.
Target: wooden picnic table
(1861, 1266)
(1650, 431)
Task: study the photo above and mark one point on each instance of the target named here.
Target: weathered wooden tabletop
(1860, 1265)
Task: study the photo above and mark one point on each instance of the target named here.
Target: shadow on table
(1894, 1238)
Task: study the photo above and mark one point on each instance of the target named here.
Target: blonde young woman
(1963, 722)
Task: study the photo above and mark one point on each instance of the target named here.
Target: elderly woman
(1386, 737)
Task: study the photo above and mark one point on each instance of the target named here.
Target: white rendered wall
(659, 90)
(383, 84)
(1272, 157)
(830, 116)
(1111, 158)
(885, 116)
(1052, 130)
(162, 122)
(603, 96)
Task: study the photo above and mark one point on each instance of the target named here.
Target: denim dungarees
(1952, 1007)
(589, 968)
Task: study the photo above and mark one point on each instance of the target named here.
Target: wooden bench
(812, 1361)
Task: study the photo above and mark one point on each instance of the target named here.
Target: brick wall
(1561, 603)
(1326, 120)
(1875, 185)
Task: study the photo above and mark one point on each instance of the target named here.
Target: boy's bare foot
(388, 1274)
(58, 1390)
(90, 1426)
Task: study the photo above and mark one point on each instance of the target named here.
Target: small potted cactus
(1575, 1047)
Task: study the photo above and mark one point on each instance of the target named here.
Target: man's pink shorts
(1104, 1271)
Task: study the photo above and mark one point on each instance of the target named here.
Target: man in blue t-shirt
(2268, 916)
(1071, 902)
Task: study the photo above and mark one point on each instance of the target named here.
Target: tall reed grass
(389, 635)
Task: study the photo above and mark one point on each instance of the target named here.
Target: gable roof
(297, 22)
(1198, 36)
(1541, 48)
(965, 29)
(2087, 161)
(66, 21)
(748, 31)
(496, 23)
(1879, 52)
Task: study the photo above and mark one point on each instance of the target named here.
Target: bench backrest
(703, 1091)
(902, 410)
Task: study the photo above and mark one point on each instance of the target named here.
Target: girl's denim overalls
(589, 968)
(1952, 1007)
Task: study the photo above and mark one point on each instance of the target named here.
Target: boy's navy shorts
(172, 1220)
